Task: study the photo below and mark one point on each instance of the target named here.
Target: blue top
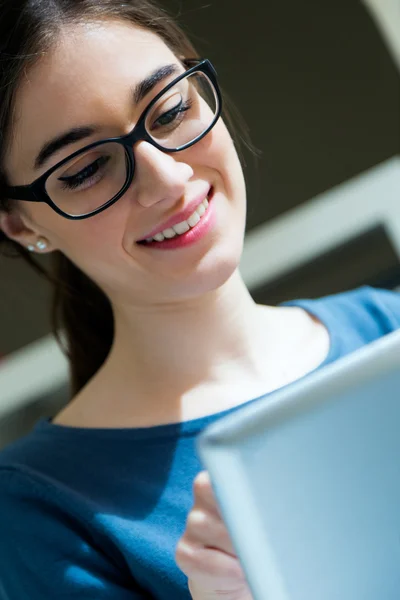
(97, 513)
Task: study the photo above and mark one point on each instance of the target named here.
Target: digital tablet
(308, 481)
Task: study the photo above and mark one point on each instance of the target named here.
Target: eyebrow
(78, 134)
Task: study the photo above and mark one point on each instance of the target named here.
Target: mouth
(185, 230)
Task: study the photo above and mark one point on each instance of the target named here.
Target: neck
(185, 361)
(183, 344)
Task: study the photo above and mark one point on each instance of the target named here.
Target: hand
(205, 552)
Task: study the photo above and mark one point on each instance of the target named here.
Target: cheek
(86, 242)
(217, 152)
(95, 239)
(224, 158)
(94, 246)
(218, 144)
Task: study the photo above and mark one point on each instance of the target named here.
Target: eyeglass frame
(36, 191)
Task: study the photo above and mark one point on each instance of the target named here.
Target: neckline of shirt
(317, 308)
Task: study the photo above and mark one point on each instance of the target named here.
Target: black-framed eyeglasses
(95, 177)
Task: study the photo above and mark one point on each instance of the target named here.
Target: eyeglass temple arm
(21, 192)
(192, 62)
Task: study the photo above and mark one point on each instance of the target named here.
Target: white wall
(387, 16)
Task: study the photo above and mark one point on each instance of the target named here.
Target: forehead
(85, 79)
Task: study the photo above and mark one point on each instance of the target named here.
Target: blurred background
(318, 85)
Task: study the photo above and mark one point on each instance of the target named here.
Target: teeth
(194, 219)
(201, 210)
(169, 233)
(182, 227)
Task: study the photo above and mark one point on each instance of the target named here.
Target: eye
(79, 179)
(173, 116)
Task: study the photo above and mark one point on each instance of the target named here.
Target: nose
(159, 176)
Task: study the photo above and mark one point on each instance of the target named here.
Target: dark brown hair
(27, 29)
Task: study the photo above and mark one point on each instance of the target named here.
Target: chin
(214, 270)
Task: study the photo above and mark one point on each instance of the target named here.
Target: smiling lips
(182, 222)
(183, 226)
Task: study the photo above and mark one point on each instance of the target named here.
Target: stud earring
(41, 244)
(31, 248)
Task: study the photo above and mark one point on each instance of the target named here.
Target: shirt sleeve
(386, 304)
(46, 553)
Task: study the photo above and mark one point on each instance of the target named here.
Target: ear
(14, 225)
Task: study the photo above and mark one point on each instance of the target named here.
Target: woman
(114, 158)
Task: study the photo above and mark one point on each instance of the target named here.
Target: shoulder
(377, 311)
(358, 316)
(30, 491)
(24, 494)
(45, 547)
(29, 512)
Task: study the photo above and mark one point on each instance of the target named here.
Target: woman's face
(87, 80)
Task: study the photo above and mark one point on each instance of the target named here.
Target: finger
(208, 565)
(204, 495)
(208, 530)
